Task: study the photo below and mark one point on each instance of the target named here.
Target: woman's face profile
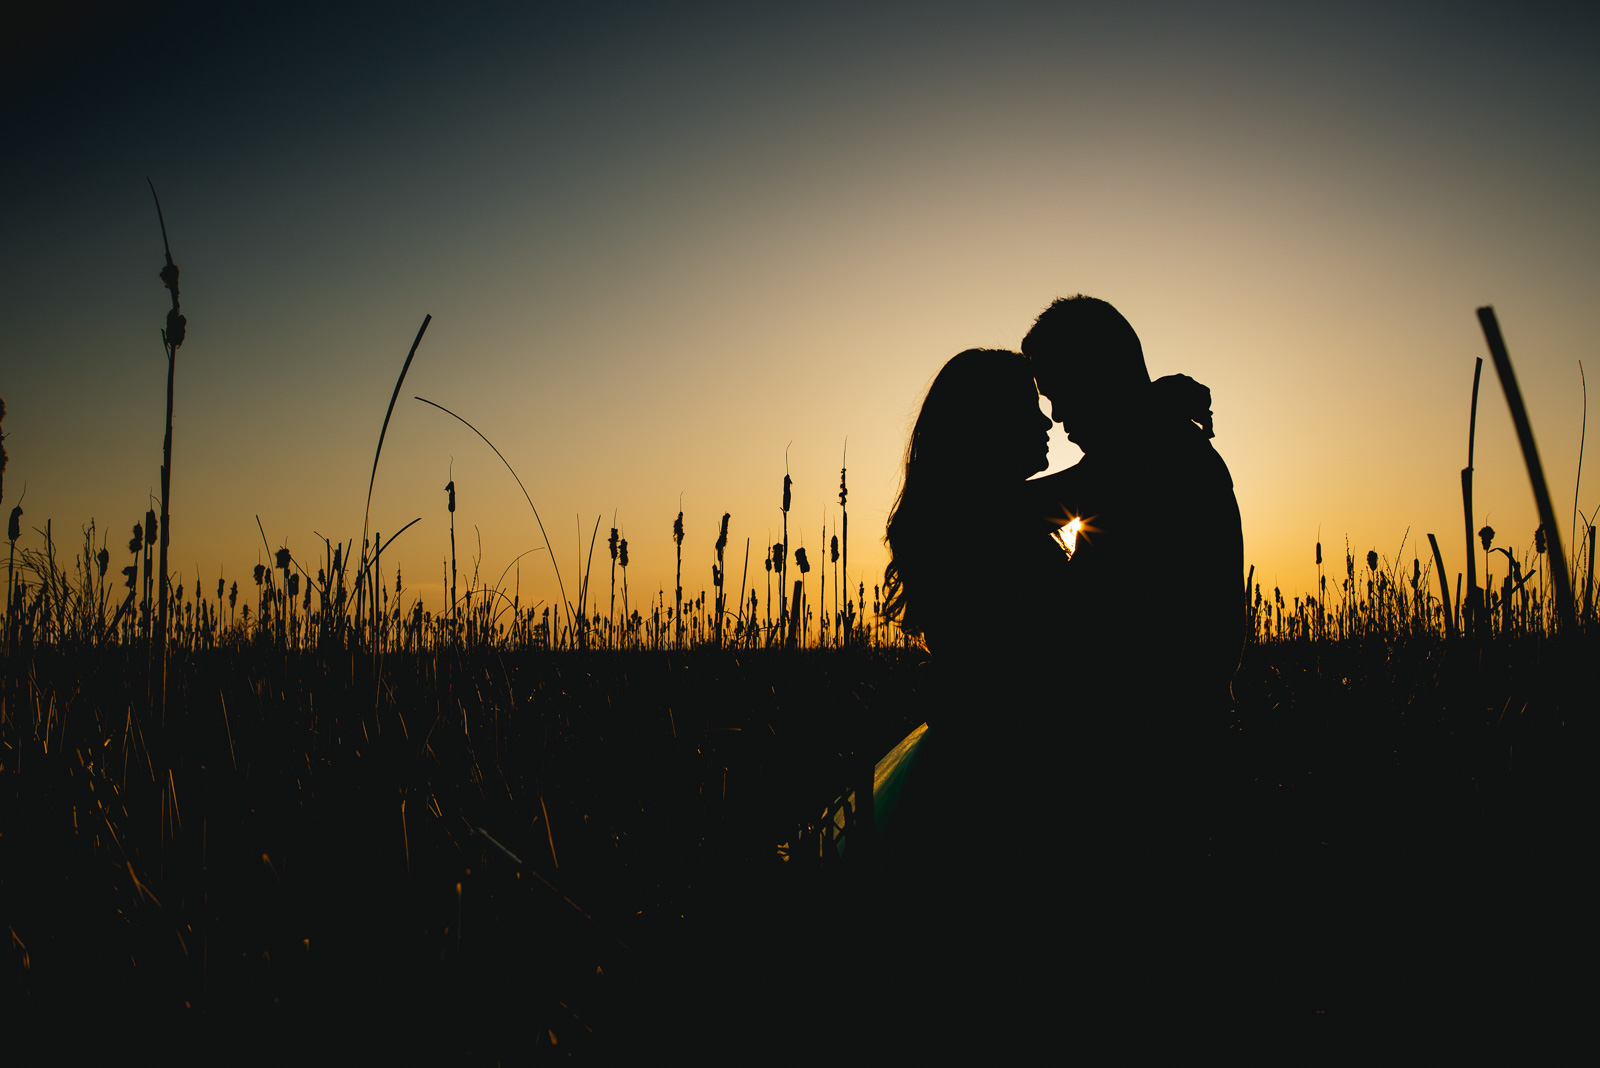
(1015, 435)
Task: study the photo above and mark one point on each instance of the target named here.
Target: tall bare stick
(1530, 455)
(1469, 623)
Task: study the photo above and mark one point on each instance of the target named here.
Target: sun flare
(1069, 534)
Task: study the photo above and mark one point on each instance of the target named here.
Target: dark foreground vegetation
(498, 853)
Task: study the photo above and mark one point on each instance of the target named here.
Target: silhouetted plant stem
(450, 488)
(783, 561)
(1444, 589)
(1583, 433)
(171, 338)
(1474, 596)
(1588, 581)
(742, 582)
(366, 515)
(1530, 455)
(844, 526)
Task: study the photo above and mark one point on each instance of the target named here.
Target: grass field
(528, 844)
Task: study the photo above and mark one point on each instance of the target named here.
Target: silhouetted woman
(974, 570)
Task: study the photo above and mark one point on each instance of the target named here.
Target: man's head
(1088, 361)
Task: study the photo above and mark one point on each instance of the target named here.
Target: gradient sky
(661, 248)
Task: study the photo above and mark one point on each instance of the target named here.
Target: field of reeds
(504, 833)
(497, 831)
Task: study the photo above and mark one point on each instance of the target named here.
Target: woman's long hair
(951, 468)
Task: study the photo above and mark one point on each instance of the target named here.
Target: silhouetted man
(1158, 597)
(1155, 613)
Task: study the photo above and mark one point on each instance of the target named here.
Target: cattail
(1372, 561)
(1486, 535)
(722, 538)
(294, 586)
(150, 528)
(135, 543)
(622, 552)
(131, 575)
(450, 488)
(222, 586)
(677, 589)
(233, 595)
(103, 559)
(787, 483)
(1319, 554)
(834, 549)
(611, 543)
(767, 560)
(283, 559)
(800, 561)
(1538, 540)
(260, 573)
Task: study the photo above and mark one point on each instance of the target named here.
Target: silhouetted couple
(1056, 807)
(1146, 607)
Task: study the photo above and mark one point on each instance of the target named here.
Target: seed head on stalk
(171, 338)
(677, 589)
(1486, 535)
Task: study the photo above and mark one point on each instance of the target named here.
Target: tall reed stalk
(1474, 595)
(171, 338)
